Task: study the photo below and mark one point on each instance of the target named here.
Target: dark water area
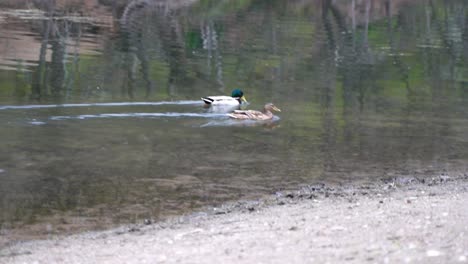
(101, 122)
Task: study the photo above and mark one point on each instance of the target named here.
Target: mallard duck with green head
(237, 98)
(266, 114)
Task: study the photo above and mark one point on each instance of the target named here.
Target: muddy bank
(395, 221)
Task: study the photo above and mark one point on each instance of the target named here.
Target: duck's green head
(237, 93)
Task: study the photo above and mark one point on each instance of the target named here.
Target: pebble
(37, 123)
(411, 246)
(2, 170)
(338, 228)
(433, 253)
(462, 258)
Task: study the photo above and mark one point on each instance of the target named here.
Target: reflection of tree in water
(51, 79)
(349, 50)
(144, 24)
(211, 45)
(133, 21)
(348, 58)
(149, 29)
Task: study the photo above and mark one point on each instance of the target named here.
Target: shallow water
(102, 122)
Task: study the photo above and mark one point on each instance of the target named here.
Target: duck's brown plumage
(266, 114)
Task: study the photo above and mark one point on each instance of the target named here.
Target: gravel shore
(396, 221)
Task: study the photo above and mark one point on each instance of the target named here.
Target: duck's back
(220, 100)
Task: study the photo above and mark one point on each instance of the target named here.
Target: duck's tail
(207, 100)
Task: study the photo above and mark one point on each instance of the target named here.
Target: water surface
(101, 122)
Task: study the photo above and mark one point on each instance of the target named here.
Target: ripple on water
(117, 115)
(25, 107)
(242, 123)
(37, 123)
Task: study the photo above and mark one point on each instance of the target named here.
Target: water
(101, 122)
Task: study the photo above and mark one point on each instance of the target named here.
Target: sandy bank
(392, 222)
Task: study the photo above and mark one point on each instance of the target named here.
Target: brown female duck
(266, 114)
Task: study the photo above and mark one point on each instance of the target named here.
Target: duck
(237, 98)
(266, 114)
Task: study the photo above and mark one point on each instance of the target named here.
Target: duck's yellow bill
(277, 109)
(244, 99)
